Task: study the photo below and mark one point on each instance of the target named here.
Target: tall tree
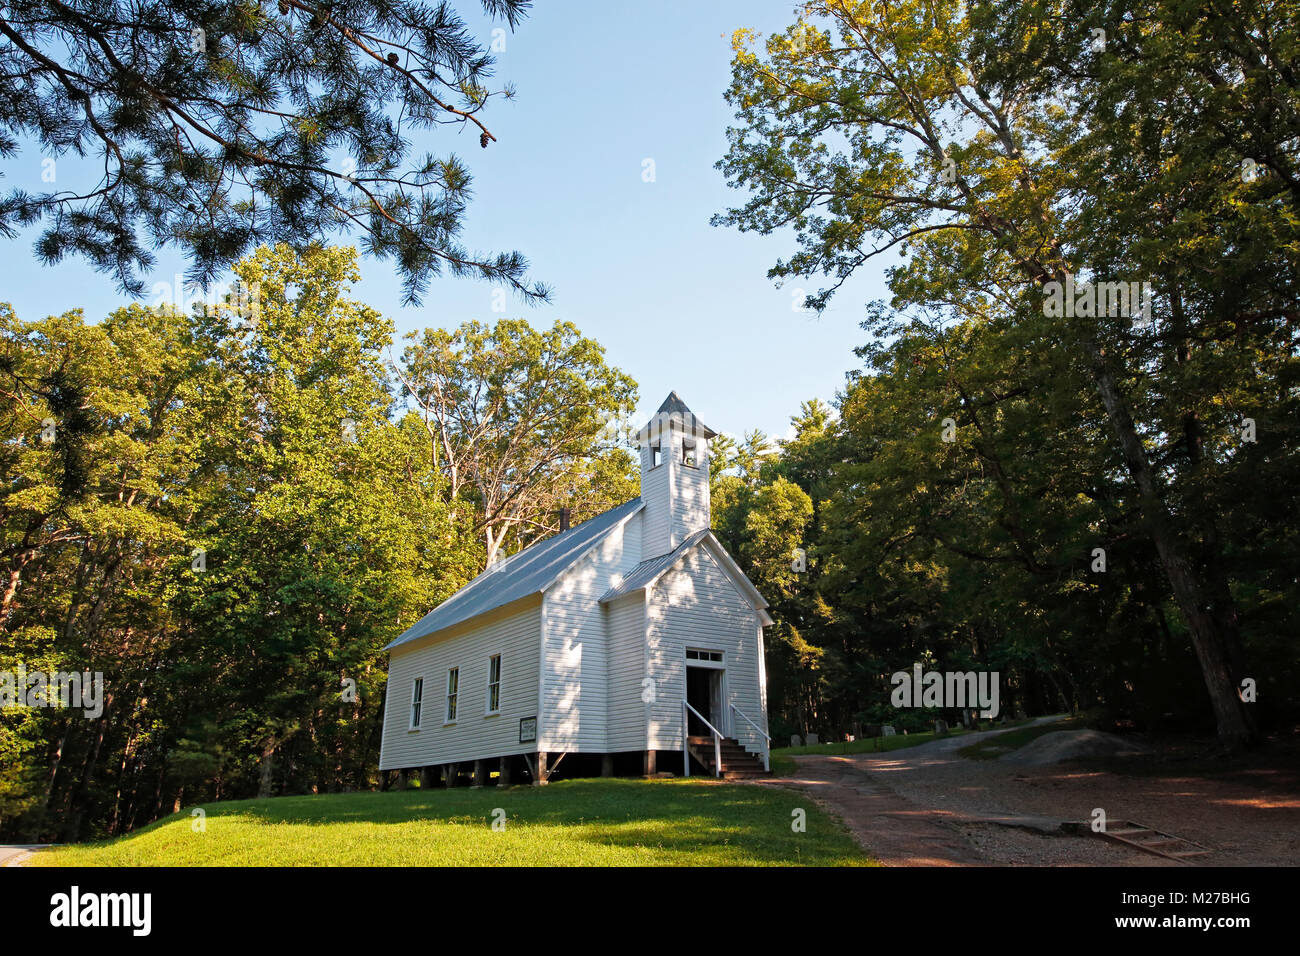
(322, 526)
(89, 556)
(519, 422)
(228, 514)
(218, 126)
(922, 127)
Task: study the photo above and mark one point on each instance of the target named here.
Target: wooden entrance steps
(737, 762)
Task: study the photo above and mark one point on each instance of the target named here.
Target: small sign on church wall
(527, 729)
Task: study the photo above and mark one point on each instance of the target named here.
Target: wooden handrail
(766, 736)
(686, 741)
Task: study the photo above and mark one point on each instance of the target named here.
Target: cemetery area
(878, 738)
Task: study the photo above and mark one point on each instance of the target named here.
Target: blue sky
(677, 303)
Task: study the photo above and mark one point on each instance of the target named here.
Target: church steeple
(674, 476)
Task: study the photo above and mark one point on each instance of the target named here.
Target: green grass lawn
(864, 745)
(783, 766)
(606, 822)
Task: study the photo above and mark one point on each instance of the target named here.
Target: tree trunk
(58, 757)
(73, 806)
(1214, 649)
(11, 591)
(1236, 726)
(268, 760)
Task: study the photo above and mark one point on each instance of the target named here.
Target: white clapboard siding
(575, 671)
(656, 493)
(690, 500)
(697, 605)
(514, 632)
(626, 620)
(581, 667)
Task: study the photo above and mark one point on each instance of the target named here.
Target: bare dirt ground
(927, 805)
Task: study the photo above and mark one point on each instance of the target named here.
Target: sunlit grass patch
(572, 823)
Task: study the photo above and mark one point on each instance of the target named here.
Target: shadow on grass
(673, 821)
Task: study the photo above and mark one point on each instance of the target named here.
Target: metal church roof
(675, 409)
(531, 571)
(647, 571)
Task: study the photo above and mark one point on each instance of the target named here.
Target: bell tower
(674, 477)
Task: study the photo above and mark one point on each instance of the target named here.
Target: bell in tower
(674, 476)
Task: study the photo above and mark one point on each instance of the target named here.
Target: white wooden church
(631, 643)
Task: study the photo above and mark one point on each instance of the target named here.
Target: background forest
(1086, 491)
(237, 508)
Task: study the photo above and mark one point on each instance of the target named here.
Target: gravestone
(941, 728)
(888, 731)
(795, 741)
(812, 740)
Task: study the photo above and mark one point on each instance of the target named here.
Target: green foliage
(231, 518)
(992, 444)
(523, 422)
(217, 127)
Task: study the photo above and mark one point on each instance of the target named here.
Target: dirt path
(927, 805)
(15, 855)
(1246, 812)
(888, 802)
(893, 830)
